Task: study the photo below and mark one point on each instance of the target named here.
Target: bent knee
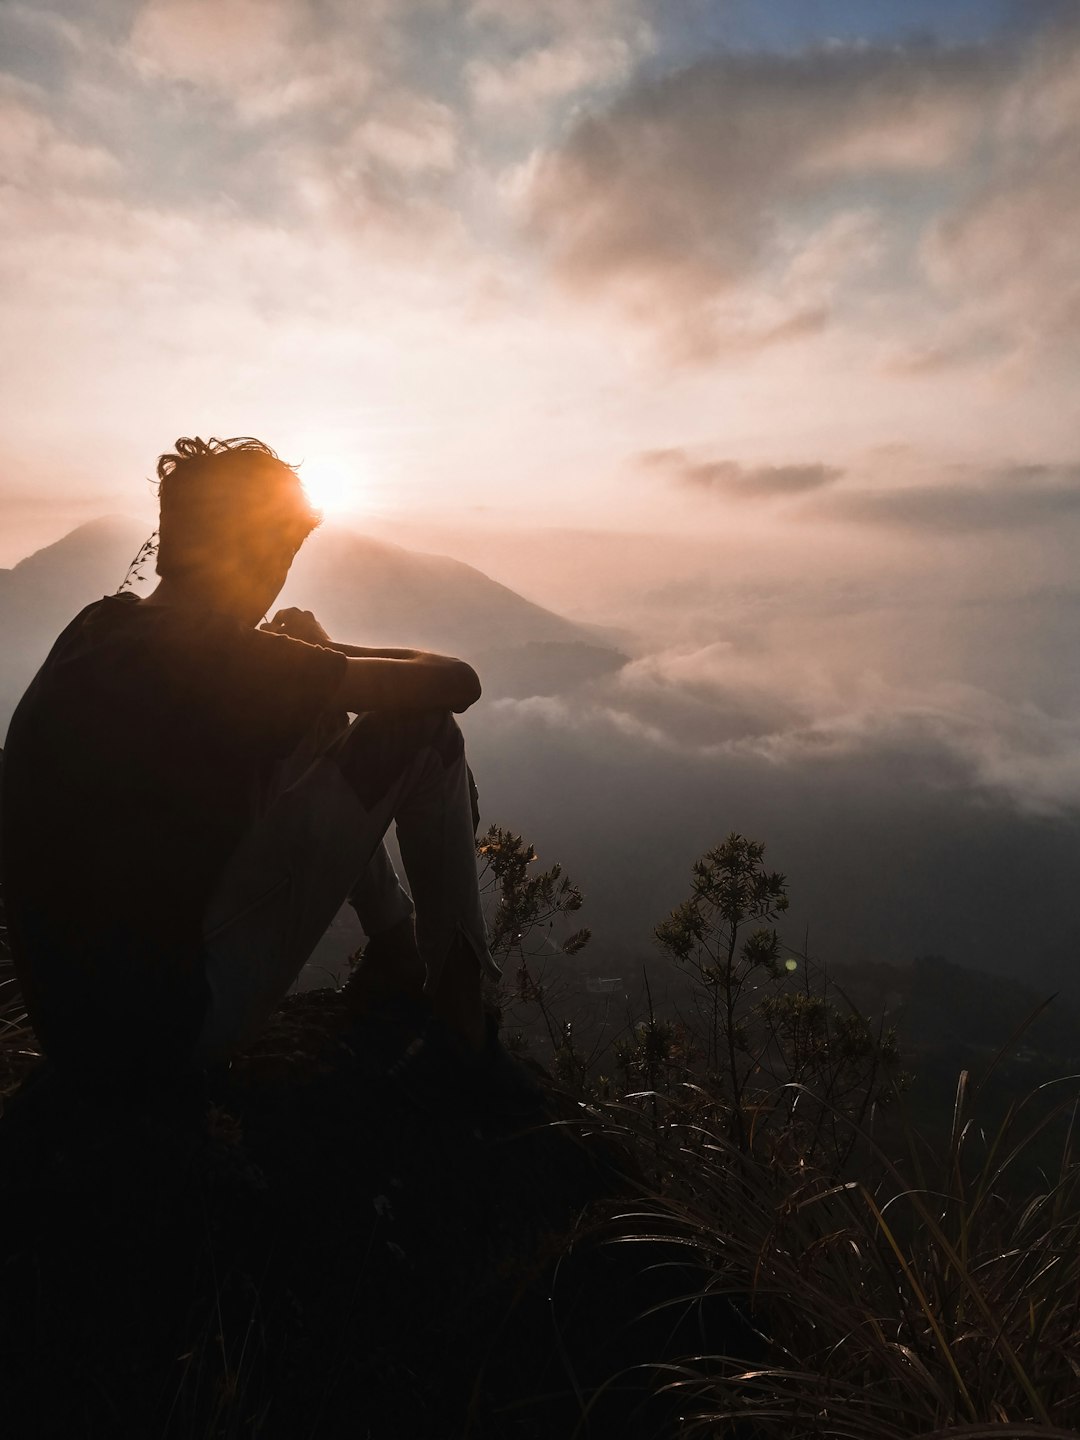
(383, 743)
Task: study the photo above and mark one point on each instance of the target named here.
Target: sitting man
(186, 807)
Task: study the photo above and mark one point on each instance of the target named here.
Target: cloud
(966, 737)
(291, 67)
(889, 854)
(713, 207)
(513, 89)
(411, 135)
(325, 188)
(231, 46)
(693, 187)
(548, 19)
(1011, 498)
(1004, 251)
(37, 155)
(720, 705)
(730, 479)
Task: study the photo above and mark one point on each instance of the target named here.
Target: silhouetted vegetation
(721, 1221)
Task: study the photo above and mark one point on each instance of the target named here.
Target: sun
(331, 484)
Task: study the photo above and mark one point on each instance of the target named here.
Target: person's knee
(383, 743)
(444, 735)
(415, 728)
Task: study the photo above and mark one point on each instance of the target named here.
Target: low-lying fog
(882, 689)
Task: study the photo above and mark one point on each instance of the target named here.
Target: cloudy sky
(749, 327)
(695, 264)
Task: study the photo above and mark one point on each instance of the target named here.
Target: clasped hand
(300, 624)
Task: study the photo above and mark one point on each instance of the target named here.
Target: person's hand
(300, 624)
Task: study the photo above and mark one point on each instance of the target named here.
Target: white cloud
(1009, 499)
(693, 185)
(560, 17)
(267, 61)
(715, 704)
(714, 206)
(318, 181)
(1004, 254)
(411, 134)
(519, 86)
(229, 45)
(1014, 751)
(36, 154)
(729, 479)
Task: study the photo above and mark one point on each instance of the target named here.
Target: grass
(19, 1051)
(914, 1297)
(906, 1288)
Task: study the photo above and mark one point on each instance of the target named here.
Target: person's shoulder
(107, 630)
(100, 614)
(106, 607)
(127, 614)
(86, 623)
(100, 621)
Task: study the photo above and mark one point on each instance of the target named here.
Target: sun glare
(332, 485)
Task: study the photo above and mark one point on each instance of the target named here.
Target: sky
(781, 269)
(749, 329)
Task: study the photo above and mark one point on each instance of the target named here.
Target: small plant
(521, 928)
(792, 1068)
(927, 1299)
(147, 550)
(18, 1045)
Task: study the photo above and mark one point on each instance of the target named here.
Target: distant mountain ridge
(364, 591)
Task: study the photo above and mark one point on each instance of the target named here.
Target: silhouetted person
(186, 807)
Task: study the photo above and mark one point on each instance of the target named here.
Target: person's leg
(391, 964)
(436, 829)
(288, 878)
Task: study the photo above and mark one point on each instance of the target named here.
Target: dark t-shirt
(134, 763)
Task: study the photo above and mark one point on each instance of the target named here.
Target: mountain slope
(372, 592)
(364, 591)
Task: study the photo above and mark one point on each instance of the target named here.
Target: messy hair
(220, 497)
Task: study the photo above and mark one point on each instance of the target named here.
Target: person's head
(233, 517)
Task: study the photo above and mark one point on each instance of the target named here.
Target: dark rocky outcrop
(342, 1236)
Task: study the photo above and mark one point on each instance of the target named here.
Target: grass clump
(916, 1297)
(723, 1224)
(895, 1285)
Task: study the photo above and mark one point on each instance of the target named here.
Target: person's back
(184, 808)
(134, 764)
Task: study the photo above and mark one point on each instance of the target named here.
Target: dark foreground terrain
(343, 1236)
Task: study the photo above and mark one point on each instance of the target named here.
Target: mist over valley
(918, 790)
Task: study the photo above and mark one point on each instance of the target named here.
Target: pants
(319, 841)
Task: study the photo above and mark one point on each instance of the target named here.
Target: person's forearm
(428, 682)
(365, 652)
(302, 625)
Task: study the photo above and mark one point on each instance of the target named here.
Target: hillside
(365, 591)
(325, 1245)
(351, 1233)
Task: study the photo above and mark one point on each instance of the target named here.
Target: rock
(309, 1245)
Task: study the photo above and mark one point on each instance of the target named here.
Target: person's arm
(365, 652)
(387, 679)
(302, 625)
(426, 682)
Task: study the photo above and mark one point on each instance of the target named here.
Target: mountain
(364, 591)
(40, 594)
(374, 592)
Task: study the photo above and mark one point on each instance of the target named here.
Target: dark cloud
(1016, 497)
(888, 851)
(715, 205)
(1004, 247)
(681, 188)
(744, 482)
